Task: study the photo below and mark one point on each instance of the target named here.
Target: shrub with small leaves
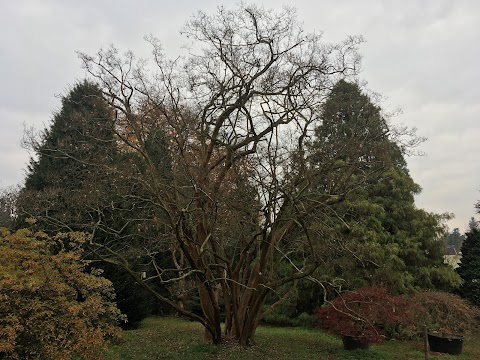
(50, 308)
(445, 312)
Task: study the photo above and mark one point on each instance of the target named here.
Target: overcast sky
(423, 56)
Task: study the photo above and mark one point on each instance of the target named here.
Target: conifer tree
(393, 242)
(469, 267)
(81, 181)
(67, 183)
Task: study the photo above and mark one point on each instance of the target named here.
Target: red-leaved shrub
(366, 314)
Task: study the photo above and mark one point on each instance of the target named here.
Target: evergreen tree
(469, 267)
(66, 185)
(376, 236)
(393, 243)
(453, 242)
(81, 181)
(472, 224)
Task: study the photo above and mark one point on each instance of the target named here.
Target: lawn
(173, 338)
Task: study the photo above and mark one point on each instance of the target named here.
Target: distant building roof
(450, 250)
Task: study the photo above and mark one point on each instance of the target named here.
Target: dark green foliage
(157, 149)
(376, 236)
(352, 131)
(66, 186)
(83, 181)
(382, 238)
(294, 305)
(469, 268)
(80, 136)
(472, 223)
(132, 300)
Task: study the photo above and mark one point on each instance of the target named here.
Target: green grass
(172, 338)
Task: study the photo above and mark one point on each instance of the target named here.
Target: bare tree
(235, 115)
(8, 198)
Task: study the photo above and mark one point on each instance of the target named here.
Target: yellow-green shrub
(50, 308)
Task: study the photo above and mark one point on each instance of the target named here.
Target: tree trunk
(245, 311)
(211, 311)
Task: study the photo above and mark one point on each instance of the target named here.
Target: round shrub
(50, 308)
(445, 312)
(367, 314)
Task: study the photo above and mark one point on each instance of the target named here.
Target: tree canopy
(76, 184)
(64, 188)
(378, 237)
(237, 108)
